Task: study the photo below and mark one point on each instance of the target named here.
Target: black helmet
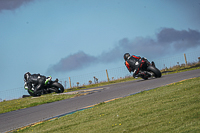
(126, 56)
(26, 76)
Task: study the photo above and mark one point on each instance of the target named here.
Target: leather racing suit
(35, 82)
(133, 64)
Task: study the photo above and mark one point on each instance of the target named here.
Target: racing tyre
(59, 88)
(156, 72)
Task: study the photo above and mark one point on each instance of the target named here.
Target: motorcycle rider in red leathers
(133, 64)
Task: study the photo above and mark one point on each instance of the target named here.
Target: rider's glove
(48, 79)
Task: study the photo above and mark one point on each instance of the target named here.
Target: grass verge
(171, 108)
(171, 70)
(11, 105)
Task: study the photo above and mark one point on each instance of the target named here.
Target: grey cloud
(172, 35)
(12, 4)
(73, 62)
(168, 40)
(180, 40)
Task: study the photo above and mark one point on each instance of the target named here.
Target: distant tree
(77, 84)
(95, 80)
(90, 82)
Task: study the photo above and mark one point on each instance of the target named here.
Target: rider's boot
(138, 75)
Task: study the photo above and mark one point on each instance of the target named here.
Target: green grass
(11, 105)
(181, 68)
(171, 70)
(102, 84)
(171, 108)
(16, 104)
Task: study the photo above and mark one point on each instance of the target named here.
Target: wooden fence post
(70, 83)
(107, 75)
(185, 59)
(65, 84)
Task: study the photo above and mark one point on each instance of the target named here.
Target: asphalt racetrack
(15, 119)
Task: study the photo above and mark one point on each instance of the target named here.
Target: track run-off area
(23, 117)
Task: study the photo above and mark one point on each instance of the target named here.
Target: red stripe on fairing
(136, 57)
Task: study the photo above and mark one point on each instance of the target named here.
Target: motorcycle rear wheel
(156, 72)
(59, 87)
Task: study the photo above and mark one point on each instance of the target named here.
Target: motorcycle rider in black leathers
(35, 82)
(133, 64)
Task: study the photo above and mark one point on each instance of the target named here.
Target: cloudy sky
(63, 38)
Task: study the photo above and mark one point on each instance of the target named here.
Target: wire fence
(12, 93)
(105, 75)
(177, 60)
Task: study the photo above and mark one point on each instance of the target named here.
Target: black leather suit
(37, 80)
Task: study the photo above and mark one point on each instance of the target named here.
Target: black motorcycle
(149, 70)
(49, 87)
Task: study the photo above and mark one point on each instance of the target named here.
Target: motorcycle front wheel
(58, 87)
(154, 70)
